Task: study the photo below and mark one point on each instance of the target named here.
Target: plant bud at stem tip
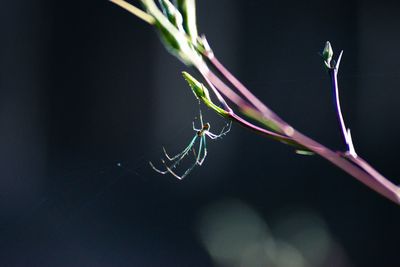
(327, 54)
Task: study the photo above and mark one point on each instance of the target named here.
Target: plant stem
(355, 166)
(259, 130)
(275, 127)
(333, 74)
(260, 106)
(135, 11)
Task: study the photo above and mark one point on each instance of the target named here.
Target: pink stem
(260, 106)
(258, 129)
(356, 167)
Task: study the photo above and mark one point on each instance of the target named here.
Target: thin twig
(260, 106)
(333, 73)
(356, 167)
(282, 131)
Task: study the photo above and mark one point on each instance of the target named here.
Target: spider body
(201, 153)
(204, 129)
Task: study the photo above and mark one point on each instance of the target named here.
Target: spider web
(82, 185)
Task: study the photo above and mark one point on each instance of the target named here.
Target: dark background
(86, 87)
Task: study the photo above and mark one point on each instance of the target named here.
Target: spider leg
(176, 162)
(194, 152)
(184, 152)
(179, 158)
(183, 175)
(228, 127)
(173, 173)
(211, 135)
(200, 149)
(188, 170)
(200, 155)
(225, 129)
(223, 132)
(194, 128)
(201, 118)
(200, 161)
(157, 170)
(170, 168)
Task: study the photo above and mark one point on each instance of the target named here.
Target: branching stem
(333, 73)
(195, 51)
(348, 162)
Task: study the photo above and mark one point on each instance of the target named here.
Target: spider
(201, 151)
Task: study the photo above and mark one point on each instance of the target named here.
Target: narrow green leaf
(304, 152)
(135, 11)
(172, 13)
(175, 40)
(201, 93)
(188, 11)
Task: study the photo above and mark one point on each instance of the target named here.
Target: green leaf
(304, 152)
(201, 93)
(188, 11)
(172, 33)
(135, 11)
(172, 13)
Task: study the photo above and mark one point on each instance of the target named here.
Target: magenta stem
(333, 73)
(356, 167)
(259, 130)
(260, 106)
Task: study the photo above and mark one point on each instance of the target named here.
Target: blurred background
(88, 96)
